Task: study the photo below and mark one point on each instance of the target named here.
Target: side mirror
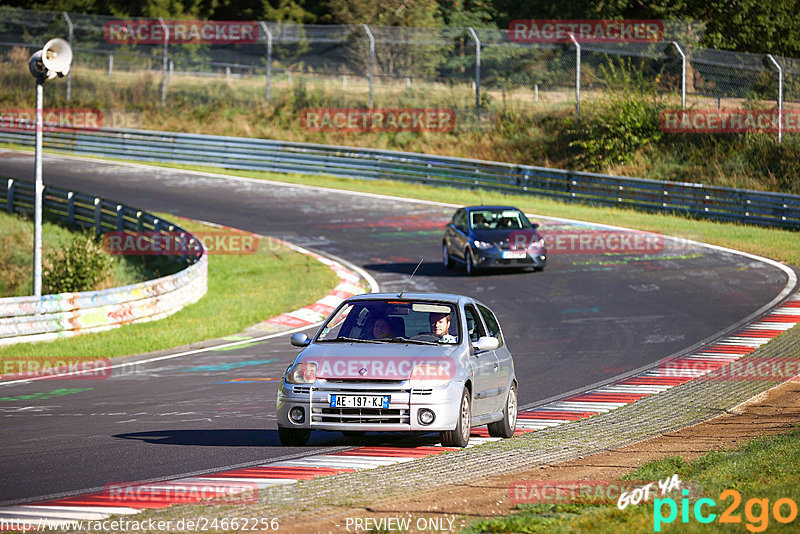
(300, 340)
(486, 343)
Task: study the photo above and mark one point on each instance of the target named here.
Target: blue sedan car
(483, 237)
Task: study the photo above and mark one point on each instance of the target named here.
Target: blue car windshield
(389, 320)
(498, 219)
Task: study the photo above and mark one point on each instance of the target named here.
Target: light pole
(51, 61)
(577, 75)
(770, 61)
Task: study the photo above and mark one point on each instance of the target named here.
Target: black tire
(459, 436)
(468, 266)
(446, 261)
(293, 437)
(505, 427)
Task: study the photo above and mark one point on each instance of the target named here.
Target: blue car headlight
(483, 245)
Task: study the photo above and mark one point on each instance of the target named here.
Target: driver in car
(382, 329)
(440, 327)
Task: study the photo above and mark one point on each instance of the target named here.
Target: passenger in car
(381, 329)
(440, 327)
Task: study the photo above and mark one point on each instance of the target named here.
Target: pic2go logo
(756, 511)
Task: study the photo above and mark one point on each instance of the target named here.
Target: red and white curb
(668, 375)
(225, 484)
(349, 285)
(314, 313)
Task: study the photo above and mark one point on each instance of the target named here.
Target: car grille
(398, 413)
(394, 416)
(501, 261)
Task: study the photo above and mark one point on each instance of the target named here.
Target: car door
(484, 364)
(460, 234)
(505, 362)
(449, 234)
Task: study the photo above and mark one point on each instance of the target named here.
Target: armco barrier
(697, 200)
(25, 319)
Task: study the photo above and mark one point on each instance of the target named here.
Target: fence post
(577, 75)
(120, 218)
(71, 209)
(477, 68)
(110, 64)
(98, 213)
(10, 195)
(269, 58)
(164, 63)
(371, 63)
(770, 60)
(677, 47)
(69, 73)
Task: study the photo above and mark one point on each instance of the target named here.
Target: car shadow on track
(433, 269)
(264, 438)
(209, 438)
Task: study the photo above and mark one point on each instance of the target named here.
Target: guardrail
(696, 200)
(24, 319)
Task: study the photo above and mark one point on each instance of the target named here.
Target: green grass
(762, 469)
(242, 290)
(16, 256)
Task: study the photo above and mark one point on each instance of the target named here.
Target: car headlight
(302, 373)
(482, 244)
(425, 376)
(536, 244)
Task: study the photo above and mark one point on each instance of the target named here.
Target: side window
(461, 220)
(474, 326)
(491, 323)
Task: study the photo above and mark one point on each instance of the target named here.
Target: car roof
(440, 297)
(473, 208)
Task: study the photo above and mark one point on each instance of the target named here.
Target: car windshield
(498, 219)
(393, 321)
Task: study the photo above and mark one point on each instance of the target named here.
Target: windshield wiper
(353, 340)
(414, 341)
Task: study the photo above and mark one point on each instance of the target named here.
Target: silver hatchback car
(416, 362)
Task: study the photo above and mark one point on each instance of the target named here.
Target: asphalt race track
(585, 319)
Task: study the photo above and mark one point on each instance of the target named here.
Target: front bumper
(401, 415)
(493, 258)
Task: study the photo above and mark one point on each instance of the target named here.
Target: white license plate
(360, 401)
(513, 255)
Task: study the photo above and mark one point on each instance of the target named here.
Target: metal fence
(362, 65)
(696, 200)
(25, 319)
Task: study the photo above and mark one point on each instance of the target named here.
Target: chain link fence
(356, 66)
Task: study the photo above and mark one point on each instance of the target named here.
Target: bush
(79, 267)
(615, 130)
